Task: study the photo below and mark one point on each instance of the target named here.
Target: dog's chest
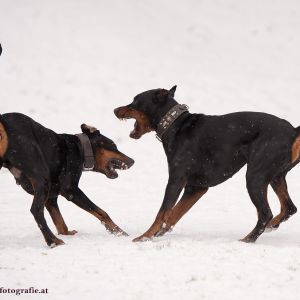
(14, 171)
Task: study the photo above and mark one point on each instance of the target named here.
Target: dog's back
(25, 133)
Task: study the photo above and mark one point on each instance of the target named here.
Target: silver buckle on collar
(88, 169)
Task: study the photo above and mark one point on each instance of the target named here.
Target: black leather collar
(87, 152)
(169, 118)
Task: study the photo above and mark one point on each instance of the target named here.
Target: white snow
(70, 62)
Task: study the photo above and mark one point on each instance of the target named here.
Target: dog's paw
(141, 238)
(118, 232)
(56, 242)
(69, 232)
(272, 225)
(271, 228)
(247, 240)
(165, 229)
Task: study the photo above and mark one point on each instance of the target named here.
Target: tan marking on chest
(3, 140)
(296, 149)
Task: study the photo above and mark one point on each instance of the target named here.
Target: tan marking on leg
(296, 149)
(183, 206)
(3, 140)
(160, 219)
(108, 222)
(58, 220)
(281, 191)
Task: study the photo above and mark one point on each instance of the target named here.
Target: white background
(69, 62)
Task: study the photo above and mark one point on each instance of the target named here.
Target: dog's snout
(117, 111)
(129, 162)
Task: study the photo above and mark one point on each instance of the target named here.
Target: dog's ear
(88, 129)
(172, 91)
(160, 96)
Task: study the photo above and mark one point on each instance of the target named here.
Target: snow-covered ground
(69, 62)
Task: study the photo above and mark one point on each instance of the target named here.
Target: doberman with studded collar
(47, 165)
(204, 151)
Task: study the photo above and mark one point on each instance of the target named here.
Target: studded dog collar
(87, 151)
(169, 118)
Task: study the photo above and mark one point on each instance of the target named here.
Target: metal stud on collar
(169, 118)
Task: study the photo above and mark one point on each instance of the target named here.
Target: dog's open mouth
(113, 165)
(141, 125)
(136, 132)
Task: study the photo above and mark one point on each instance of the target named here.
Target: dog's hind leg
(36, 170)
(257, 186)
(190, 196)
(41, 190)
(80, 199)
(57, 218)
(288, 208)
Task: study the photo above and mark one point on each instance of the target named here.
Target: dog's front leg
(81, 200)
(190, 196)
(173, 190)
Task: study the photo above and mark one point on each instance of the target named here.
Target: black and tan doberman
(204, 151)
(47, 164)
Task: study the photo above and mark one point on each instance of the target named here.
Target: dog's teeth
(124, 166)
